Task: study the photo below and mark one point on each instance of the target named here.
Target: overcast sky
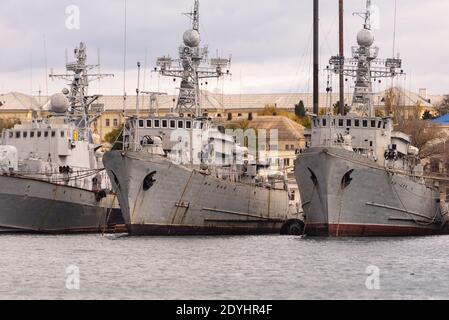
(270, 41)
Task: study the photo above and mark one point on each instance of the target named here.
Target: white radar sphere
(191, 38)
(365, 38)
(59, 103)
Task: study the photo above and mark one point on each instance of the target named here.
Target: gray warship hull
(182, 201)
(345, 194)
(35, 206)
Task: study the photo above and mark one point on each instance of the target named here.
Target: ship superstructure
(182, 175)
(53, 179)
(360, 177)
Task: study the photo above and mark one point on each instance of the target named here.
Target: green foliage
(271, 111)
(379, 113)
(268, 111)
(243, 124)
(115, 137)
(427, 115)
(8, 123)
(300, 110)
(306, 122)
(337, 108)
(443, 107)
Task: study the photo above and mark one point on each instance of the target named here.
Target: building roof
(220, 102)
(18, 101)
(229, 102)
(288, 130)
(442, 120)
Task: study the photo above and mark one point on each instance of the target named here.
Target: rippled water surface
(265, 267)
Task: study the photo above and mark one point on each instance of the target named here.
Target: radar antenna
(192, 66)
(365, 66)
(80, 102)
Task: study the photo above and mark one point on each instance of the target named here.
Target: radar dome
(191, 38)
(365, 38)
(59, 103)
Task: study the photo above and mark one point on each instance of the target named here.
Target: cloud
(270, 41)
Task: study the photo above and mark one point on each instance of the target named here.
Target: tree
(115, 137)
(379, 113)
(420, 131)
(271, 111)
(300, 110)
(443, 107)
(8, 123)
(268, 111)
(427, 115)
(306, 122)
(337, 108)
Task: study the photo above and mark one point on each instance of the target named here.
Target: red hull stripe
(366, 230)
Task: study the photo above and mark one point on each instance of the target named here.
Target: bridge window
(62, 134)
(149, 123)
(189, 124)
(324, 122)
(157, 123)
(53, 134)
(164, 124)
(373, 123)
(379, 124)
(340, 122)
(32, 134)
(385, 125)
(25, 134)
(172, 124)
(365, 123)
(141, 123)
(349, 123)
(46, 134)
(357, 123)
(39, 134)
(17, 134)
(11, 134)
(181, 124)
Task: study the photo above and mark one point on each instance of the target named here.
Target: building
(226, 106)
(18, 106)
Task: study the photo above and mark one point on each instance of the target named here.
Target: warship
(51, 175)
(360, 177)
(181, 174)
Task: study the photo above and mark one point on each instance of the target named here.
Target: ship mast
(79, 101)
(341, 106)
(365, 66)
(316, 58)
(189, 67)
